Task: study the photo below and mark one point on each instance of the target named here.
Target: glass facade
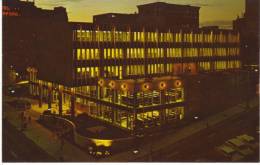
(118, 55)
(130, 53)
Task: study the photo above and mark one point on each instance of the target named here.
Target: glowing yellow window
(78, 54)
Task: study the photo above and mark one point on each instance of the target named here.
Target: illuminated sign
(7, 11)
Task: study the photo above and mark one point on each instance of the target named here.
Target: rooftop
(166, 4)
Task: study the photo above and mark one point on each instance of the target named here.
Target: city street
(202, 146)
(192, 143)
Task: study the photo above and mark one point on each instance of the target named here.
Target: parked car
(230, 153)
(239, 146)
(249, 141)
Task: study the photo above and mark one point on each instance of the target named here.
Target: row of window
(220, 65)
(117, 71)
(155, 68)
(135, 53)
(117, 53)
(113, 71)
(135, 70)
(87, 54)
(88, 72)
(113, 53)
(120, 36)
(155, 53)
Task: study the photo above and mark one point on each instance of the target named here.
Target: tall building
(30, 37)
(248, 26)
(126, 76)
(161, 14)
(154, 15)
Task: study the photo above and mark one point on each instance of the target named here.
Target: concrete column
(162, 111)
(40, 96)
(124, 66)
(72, 108)
(49, 98)
(165, 59)
(60, 102)
(98, 92)
(116, 95)
(127, 120)
(135, 112)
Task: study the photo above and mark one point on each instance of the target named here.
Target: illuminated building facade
(130, 77)
(127, 76)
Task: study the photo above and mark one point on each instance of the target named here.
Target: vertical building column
(49, 95)
(98, 92)
(72, 108)
(127, 120)
(49, 98)
(165, 59)
(101, 63)
(135, 109)
(60, 102)
(145, 60)
(145, 53)
(40, 95)
(72, 102)
(116, 96)
(113, 92)
(182, 51)
(162, 112)
(124, 65)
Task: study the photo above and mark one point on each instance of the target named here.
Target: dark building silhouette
(36, 37)
(127, 75)
(115, 19)
(248, 26)
(155, 15)
(162, 14)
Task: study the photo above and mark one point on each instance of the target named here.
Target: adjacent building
(32, 36)
(248, 26)
(154, 15)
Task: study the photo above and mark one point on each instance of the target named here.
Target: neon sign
(8, 12)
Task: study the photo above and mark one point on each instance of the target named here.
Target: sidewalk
(44, 138)
(181, 134)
